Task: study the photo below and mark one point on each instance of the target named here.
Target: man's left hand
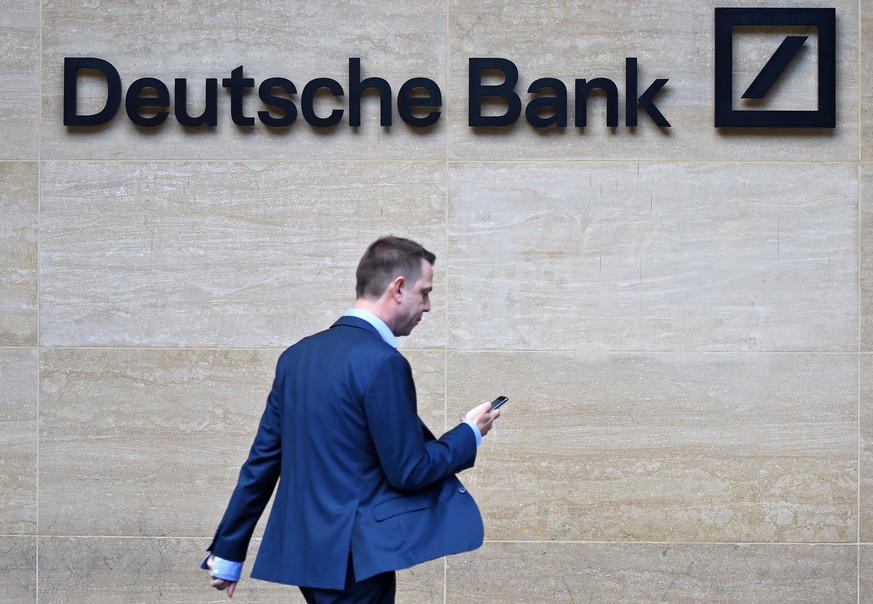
(483, 417)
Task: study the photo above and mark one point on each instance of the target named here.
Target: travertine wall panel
(646, 256)
(19, 215)
(666, 447)
(19, 86)
(866, 445)
(865, 574)
(866, 88)
(171, 429)
(298, 41)
(18, 565)
(221, 254)
(18, 441)
(114, 570)
(671, 39)
(597, 572)
(866, 261)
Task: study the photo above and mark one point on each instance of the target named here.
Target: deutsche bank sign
(495, 101)
(821, 20)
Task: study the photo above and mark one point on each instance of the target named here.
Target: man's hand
(483, 417)
(220, 584)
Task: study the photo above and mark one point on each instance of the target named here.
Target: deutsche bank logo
(786, 59)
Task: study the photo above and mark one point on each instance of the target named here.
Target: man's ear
(395, 289)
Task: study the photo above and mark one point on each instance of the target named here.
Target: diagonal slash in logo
(774, 68)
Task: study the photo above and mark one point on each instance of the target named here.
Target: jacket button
(462, 490)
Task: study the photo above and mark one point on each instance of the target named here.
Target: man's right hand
(220, 584)
(483, 417)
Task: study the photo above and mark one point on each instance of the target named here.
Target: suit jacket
(357, 470)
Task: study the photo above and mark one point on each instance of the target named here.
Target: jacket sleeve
(257, 480)
(409, 460)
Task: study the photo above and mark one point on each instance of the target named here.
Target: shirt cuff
(475, 429)
(224, 569)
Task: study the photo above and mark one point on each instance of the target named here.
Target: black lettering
(134, 102)
(544, 111)
(504, 90)
(237, 85)
(645, 100)
(209, 117)
(356, 89)
(307, 102)
(407, 103)
(584, 88)
(283, 104)
(72, 66)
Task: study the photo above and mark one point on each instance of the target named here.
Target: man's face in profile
(416, 301)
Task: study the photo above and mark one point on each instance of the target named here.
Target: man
(364, 488)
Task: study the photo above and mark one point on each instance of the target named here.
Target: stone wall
(679, 315)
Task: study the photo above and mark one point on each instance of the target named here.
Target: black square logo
(820, 22)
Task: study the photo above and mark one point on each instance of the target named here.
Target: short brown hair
(386, 259)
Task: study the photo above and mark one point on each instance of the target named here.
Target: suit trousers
(379, 589)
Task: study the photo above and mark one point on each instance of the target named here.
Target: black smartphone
(498, 402)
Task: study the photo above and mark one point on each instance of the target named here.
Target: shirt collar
(376, 322)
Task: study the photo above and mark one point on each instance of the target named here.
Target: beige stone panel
(300, 42)
(866, 261)
(216, 254)
(150, 442)
(19, 212)
(703, 447)
(18, 565)
(18, 437)
(865, 410)
(19, 84)
(429, 372)
(139, 442)
(671, 39)
(866, 84)
(646, 573)
(112, 571)
(743, 257)
(865, 574)
(422, 584)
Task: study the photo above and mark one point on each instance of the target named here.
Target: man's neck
(380, 325)
(375, 308)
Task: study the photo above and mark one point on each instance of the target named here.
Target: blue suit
(357, 470)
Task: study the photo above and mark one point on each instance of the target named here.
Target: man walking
(364, 488)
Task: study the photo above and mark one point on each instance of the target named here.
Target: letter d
(72, 65)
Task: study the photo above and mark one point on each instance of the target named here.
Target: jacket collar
(362, 323)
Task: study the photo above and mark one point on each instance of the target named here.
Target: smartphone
(498, 402)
